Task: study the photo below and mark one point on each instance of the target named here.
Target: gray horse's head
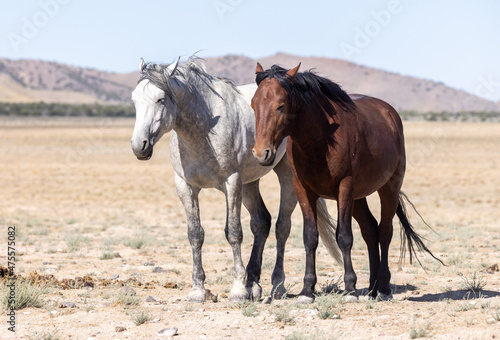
(155, 106)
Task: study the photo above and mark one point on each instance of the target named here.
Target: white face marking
(154, 116)
(148, 101)
(145, 93)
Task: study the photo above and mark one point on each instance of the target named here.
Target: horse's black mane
(307, 88)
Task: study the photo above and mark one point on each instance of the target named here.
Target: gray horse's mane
(192, 73)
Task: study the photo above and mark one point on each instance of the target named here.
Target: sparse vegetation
(74, 241)
(328, 305)
(42, 109)
(127, 299)
(316, 335)
(419, 331)
(141, 317)
(92, 164)
(495, 314)
(137, 241)
(26, 295)
(249, 309)
(52, 335)
(474, 285)
(282, 313)
(445, 116)
(332, 286)
(109, 255)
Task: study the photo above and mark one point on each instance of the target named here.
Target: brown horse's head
(271, 105)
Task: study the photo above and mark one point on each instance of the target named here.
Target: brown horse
(339, 147)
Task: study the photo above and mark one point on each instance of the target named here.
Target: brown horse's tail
(327, 229)
(409, 237)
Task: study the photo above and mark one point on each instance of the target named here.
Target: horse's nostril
(267, 154)
(144, 145)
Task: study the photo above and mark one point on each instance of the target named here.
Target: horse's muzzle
(146, 156)
(266, 157)
(144, 151)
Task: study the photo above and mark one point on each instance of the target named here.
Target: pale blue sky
(456, 42)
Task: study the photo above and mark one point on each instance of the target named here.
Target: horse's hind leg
(288, 201)
(345, 206)
(389, 200)
(189, 198)
(260, 224)
(368, 226)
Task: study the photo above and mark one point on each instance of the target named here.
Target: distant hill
(403, 92)
(34, 81)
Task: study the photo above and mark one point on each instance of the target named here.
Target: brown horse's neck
(313, 127)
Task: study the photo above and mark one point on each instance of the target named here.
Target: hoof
(305, 300)
(350, 298)
(278, 292)
(384, 297)
(366, 298)
(238, 292)
(254, 292)
(197, 296)
(238, 297)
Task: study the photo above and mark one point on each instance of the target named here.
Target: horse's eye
(160, 101)
(280, 108)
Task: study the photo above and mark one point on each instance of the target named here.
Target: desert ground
(85, 207)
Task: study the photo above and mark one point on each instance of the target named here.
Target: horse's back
(375, 116)
(248, 91)
(381, 140)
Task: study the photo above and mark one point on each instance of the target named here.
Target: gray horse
(213, 132)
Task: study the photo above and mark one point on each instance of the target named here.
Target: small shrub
(141, 317)
(189, 307)
(109, 255)
(250, 309)
(127, 299)
(475, 285)
(316, 335)
(137, 241)
(455, 260)
(45, 336)
(419, 332)
(282, 314)
(27, 294)
(332, 286)
(463, 306)
(74, 242)
(328, 305)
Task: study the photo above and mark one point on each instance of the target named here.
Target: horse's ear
(141, 65)
(175, 66)
(293, 72)
(259, 68)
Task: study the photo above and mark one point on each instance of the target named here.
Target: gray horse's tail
(327, 229)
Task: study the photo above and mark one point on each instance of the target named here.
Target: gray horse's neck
(193, 117)
(198, 112)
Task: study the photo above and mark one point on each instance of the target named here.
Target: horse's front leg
(307, 202)
(288, 201)
(189, 198)
(234, 234)
(260, 224)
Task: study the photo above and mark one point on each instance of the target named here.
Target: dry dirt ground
(83, 205)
